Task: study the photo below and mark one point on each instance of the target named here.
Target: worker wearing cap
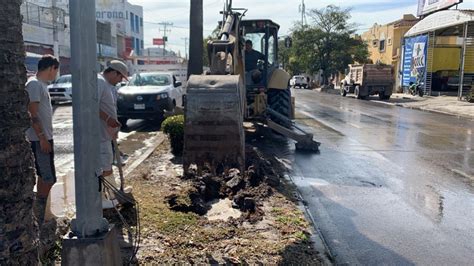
(115, 73)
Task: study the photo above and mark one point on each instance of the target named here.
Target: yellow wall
(469, 61)
(446, 59)
(393, 44)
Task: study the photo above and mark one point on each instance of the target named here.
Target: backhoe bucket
(214, 134)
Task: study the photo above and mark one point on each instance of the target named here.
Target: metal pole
(195, 38)
(89, 218)
(463, 61)
(55, 30)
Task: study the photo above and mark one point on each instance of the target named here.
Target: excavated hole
(244, 190)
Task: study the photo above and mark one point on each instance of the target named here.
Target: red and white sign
(158, 41)
(430, 6)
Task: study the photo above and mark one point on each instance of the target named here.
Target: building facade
(46, 30)
(128, 20)
(385, 43)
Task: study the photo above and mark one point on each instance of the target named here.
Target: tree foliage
(326, 44)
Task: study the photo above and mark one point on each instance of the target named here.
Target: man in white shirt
(40, 134)
(115, 73)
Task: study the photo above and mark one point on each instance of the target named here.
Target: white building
(46, 29)
(128, 19)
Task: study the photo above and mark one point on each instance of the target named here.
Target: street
(133, 140)
(391, 185)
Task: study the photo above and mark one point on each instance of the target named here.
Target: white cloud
(285, 13)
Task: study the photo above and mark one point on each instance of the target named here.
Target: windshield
(258, 44)
(150, 80)
(64, 79)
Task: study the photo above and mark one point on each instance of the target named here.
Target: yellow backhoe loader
(217, 103)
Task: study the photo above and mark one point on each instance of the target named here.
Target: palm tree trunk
(18, 234)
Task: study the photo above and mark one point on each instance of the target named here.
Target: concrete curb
(424, 109)
(414, 108)
(317, 237)
(157, 142)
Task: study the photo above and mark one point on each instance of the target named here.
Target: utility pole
(195, 38)
(89, 217)
(165, 32)
(54, 11)
(185, 47)
(302, 9)
(92, 241)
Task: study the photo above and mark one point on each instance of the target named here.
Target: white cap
(120, 67)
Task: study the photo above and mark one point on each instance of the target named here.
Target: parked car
(61, 89)
(299, 81)
(148, 96)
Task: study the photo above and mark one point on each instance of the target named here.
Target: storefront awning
(440, 20)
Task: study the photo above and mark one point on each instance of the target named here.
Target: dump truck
(368, 79)
(217, 104)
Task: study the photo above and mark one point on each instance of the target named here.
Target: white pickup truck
(299, 81)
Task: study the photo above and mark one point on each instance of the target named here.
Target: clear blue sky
(364, 12)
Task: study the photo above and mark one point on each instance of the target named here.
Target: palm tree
(18, 235)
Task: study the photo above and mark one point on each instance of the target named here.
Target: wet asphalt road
(391, 185)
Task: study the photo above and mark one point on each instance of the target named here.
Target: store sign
(36, 34)
(158, 41)
(430, 6)
(106, 51)
(414, 59)
(112, 11)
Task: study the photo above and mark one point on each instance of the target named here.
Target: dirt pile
(246, 190)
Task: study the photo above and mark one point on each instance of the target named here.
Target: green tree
(326, 44)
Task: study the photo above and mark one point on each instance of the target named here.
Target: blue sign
(414, 59)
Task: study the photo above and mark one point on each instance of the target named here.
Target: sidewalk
(440, 104)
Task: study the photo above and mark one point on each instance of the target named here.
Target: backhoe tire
(280, 101)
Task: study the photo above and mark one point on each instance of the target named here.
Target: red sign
(157, 41)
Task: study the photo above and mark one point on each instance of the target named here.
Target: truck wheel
(280, 101)
(343, 91)
(357, 93)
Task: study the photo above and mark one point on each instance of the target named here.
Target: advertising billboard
(414, 59)
(430, 6)
(158, 41)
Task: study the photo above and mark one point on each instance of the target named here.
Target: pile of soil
(247, 190)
